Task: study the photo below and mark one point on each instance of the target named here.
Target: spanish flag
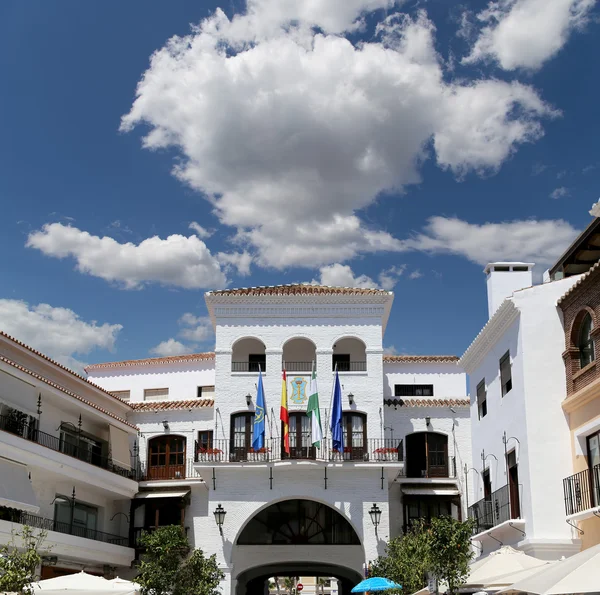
(284, 415)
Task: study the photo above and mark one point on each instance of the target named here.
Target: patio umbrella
(376, 583)
(578, 574)
(81, 582)
(503, 561)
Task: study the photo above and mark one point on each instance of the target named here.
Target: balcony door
(355, 436)
(300, 444)
(593, 447)
(513, 485)
(426, 455)
(242, 426)
(166, 459)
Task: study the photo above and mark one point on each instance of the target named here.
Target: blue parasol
(376, 583)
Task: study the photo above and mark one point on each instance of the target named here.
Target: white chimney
(503, 278)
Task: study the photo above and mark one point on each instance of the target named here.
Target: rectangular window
(481, 399)
(206, 392)
(342, 361)
(156, 394)
(413, 390)
(505, 373)
(75, 518)
(124, 395)
(205, 439)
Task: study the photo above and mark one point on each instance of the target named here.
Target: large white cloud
(57, 332)
(176, 261)
(196, 330)
(342, 275)
(290, 131)
(169, 348)
(541, 242)
(526, 33)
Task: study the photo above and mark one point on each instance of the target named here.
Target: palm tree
(289, 584)
(321, 581)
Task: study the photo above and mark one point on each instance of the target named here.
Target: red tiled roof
(66, 391)
(420, 359)
(298, 289)
(427, 402)
(172, 405)
(192, 357)
(55, 363)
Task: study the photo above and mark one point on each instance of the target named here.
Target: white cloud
(241, 261)
(560, 192)
(57, 332)
(390, 350)
(541, 242)
(341, 275)
(176, 261)
(170, 348)
(290, 132)
(527, 33)
(416, 274)
(201, 232)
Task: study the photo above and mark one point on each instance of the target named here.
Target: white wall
(448, 379)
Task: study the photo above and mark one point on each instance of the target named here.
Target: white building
(520, 435)
(65, 464)
(406, 426)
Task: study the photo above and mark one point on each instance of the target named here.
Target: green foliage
(441, 548)
(168, 566)
(19, 561)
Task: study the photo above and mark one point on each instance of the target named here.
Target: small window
(505, 373)
(156, 394)
(586, 343)
(342, 361)
(205, 440)
(481, 399)
(520, 269)
(413, 390)
(206, 392)
(502, 269)
(124, 395)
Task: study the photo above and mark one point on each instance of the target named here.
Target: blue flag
(337, 431)
(258, 438)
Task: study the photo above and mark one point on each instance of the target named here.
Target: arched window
(586, 343)
(166, 457)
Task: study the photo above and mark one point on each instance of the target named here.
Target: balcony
(182, 472)
(249, 366)
(491, 512)
(24, 518)
(376, 451)
(350, 366)
(298, 366)
(582, 492)
(80, 452)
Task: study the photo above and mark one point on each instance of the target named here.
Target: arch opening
(166, 457)
(349, 355)
(427, 455)
(299, 354)
(248, 355)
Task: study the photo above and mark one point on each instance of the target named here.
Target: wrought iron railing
(248, 366)
(77, 451)
(444, 469)
(492, 511)
(582, 490)
(24, 518)
(350, 366)
(186, 470)
(372, 451)
(298, 366)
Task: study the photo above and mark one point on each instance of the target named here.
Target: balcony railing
(81, 452)
(167, 472)
(350, 366)
(582, 490)
(298, 366)
(444, 469)
(492, 511)
(24, 518)
(248, 366)
(373, 451)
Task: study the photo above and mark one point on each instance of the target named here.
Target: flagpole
(332, 393)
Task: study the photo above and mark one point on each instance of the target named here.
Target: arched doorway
(297, 538)
(166, 457)
(427, 455)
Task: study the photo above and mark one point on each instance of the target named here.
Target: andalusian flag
(284, 416)
(313, 411)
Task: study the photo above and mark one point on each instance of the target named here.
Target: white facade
(526, 422)
(267, 327)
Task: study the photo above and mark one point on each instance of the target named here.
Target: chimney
(503, 278)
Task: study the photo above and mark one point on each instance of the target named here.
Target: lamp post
(375, 514)
(350, 399)
(248, 399)
(220, 513)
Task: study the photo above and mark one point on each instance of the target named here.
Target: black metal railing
(24, 518)
(492, 511)
(582, 490)
(248, 366)
(350, 366)
(374, 450)
(444, 468)
(185, 470)
(298, 366)
(78, 450)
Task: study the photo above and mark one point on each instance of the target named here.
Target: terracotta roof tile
(581, 280)
(298, 289)
(426, 402)
(420, 359)
(192, 357)
(66, 391)
(55, 363)
(172, 405)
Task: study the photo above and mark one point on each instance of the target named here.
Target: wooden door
(437, 455)
(300, 437)
(513, 485)
(167, 457)
(241, 436)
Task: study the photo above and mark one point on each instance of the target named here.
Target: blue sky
(348, 142)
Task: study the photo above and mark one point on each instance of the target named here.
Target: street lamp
(375, 514)
(350, 399)
(220, 513)
(248, 399)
